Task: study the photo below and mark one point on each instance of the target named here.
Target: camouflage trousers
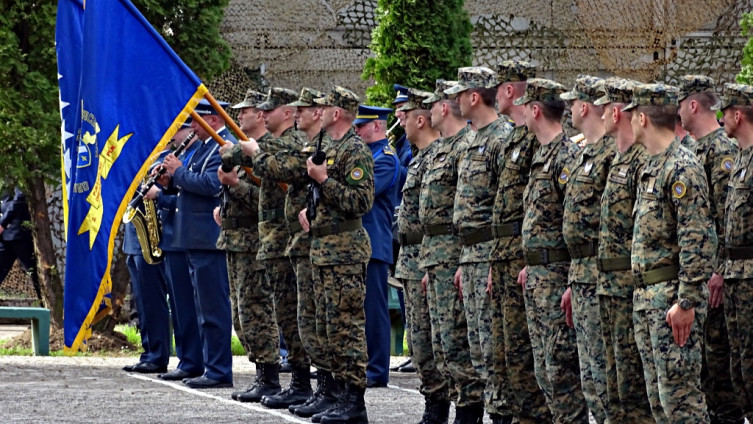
(626, 388)
(447, 314)
(593, 368)
(672, 373)
(429, 362)
(344, 320)
(555, 351)
(256, 311)
(738, 309)
(280, 277)
(242, 270)
(310, 297)
(512, 346)
(716, 380)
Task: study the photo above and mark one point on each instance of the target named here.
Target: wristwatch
(685, 304)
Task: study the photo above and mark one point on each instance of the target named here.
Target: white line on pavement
(416, 392)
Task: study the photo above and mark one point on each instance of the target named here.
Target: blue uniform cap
(402, 93)
(204, 108)
(371, 113)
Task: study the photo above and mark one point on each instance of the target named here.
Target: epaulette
(388, 150)
(578, 139)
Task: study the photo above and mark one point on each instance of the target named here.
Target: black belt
(233, 222)
(337, 228)
(438, 229)
(740, 253)
(408, 239)
(271, 214)
(294, 227)
(507, 230)
(613, 264)
(480, 235)
(659, 275)
(583, 250)
(547, 256)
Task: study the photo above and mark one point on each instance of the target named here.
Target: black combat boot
(250, 387)
(350, 409)
(436, 411)
(314, 396)
(470, 414)
(268, 383)
(326, 400)
(297, 393)
(501, 419)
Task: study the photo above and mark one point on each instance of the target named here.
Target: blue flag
(134, 93)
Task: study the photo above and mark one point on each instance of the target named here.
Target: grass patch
(133, 335)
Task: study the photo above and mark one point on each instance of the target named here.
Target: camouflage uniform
(581, 231)
(738, 267)
(673, 254)
(689, 143)
(716, 153)
(547, 258)
(626, 387)
(340, 247)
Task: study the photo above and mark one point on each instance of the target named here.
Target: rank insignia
(564, 176)
(515, 154)
(742, 175)
(679, 189)
(356, 174)
(481, 149)
(442, 158)
(587, 167)
(727, 163)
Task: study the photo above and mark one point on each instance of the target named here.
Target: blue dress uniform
(197, 233)
(378, 224)
(16, 241)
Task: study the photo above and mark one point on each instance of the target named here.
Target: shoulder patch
(679, 189)
(356, 173)
(727, 163)
(564, 176)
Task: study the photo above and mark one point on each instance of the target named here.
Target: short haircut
(488, 95)
(553, 110)
(705, 99)
(663, 117)
(746, 111)
(599, 109)
(348, 115)
(454, 108)
(421, 112)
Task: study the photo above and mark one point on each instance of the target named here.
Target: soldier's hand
(153, 193)
(523, 276)
(216, 215)
(458, 281)
(228, 178)
(225, 148)
(171, 163)
(249, 147)
(489, 283)
(716, 291)
(317, 172)
(425, 282)
(2, 229)
(304, 220)
(681, 321)
(567, 307)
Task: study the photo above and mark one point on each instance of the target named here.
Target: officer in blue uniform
(15, 239)
(188, 341)
(371, 126)
(199, 192)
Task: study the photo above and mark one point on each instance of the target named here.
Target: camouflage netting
(320, 43)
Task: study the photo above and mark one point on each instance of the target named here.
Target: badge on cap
(356, 174)
(727, 163)
(564, 176)
(679, 189)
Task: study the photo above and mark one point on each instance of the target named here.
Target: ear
(738, 117)
(475, 98)
(318, 113)
(693, 106)
(583, 109)
(420, 121)
(445, 109)
(616, 116)
(535, 111)
(643, 120)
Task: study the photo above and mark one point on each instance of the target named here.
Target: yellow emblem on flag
(727, 163)
(356, 174)
(564, 176)
(679, 189)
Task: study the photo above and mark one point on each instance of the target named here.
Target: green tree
(746, 72)
(415, 43)
(29, 112)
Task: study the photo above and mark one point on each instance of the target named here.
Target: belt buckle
(545, 256)
(516, 228)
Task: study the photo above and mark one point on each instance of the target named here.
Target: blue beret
(371, 113)
(402, 93)
(204, 108)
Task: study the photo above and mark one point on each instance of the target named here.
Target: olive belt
(337, 228)
(479, 235)
(658, 275)
(408, 239)
(740, 253)
(233, 222)
(294, 227)
(613, 264)
(507, 230)
(271, 214)
(583, 250)
(438, 229)
(547, 256)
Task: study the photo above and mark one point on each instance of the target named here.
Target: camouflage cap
(618, 90)
(515, 71)
(340, 97)
(587, 88)
(278, 97)
(307, 97)
(416, 100)
(540, 90)
(692, 84)
(735, 95)
(653, 95)
(473, 77)
(253, 99)
(441, 86)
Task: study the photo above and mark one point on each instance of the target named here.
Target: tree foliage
(415, 43)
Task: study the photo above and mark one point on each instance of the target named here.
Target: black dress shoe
(129, 368)
(397, 367)
(178, 374)
(206, 383)
(407, 368)
(372, 384)
(148, 368)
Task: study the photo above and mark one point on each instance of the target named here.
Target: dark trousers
(188, 343)
(150, 295)
(23, 250)
(377, 321)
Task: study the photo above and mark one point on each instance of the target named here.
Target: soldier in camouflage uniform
(626, 388)
(716, 152)
(340, 249)
(580, 227)
(475, 93)
(673, 255)
(737, 106)
(546, 254)
(429, 362)
(510, 339)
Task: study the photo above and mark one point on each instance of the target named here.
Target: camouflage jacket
(580, 223)
(477, 179)
(347, 194)
(408, 220)
(739, 214)
(717, 152)
(616, 220)
(240, 232)
(673, 224)
(689, 143)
